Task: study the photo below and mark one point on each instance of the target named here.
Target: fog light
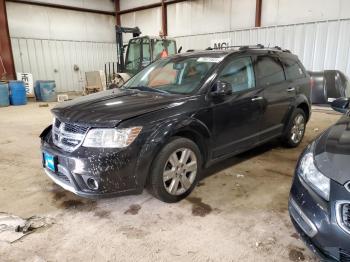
(92, 183)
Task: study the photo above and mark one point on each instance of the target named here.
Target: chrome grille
(343, 215)
(57, 122)
(346, 214)
(68, 136)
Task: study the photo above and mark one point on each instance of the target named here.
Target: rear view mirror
(221, 88)
(341, 104)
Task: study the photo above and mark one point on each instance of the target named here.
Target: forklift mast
(135, 31)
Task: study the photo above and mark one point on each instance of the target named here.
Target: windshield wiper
(148, 89)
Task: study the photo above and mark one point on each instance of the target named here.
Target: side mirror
(180, 49)
(341, 105)
(221, 88)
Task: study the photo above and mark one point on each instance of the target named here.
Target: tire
(168, 177)
(296, 129)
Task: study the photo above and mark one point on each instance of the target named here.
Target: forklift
(140, 52)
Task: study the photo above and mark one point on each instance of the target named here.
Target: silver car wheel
(180, 171)
(298, 128)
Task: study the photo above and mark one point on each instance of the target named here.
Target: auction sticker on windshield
(209, 59)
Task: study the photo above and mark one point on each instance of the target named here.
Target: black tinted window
(268, 71)
(239, 73)
(293, 69)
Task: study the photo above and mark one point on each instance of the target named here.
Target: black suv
(174, 118)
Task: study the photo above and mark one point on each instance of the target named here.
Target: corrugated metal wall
(284, 12)
(209, 16)
(55, 59)
(319, 45)
(50, 41)
(104, 5)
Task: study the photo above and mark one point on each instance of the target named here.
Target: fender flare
(162, 134)
(171, 127)
(300, 99)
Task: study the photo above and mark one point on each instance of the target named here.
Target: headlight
(314, 178)
(111, 137)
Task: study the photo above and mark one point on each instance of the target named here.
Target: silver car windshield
(180, 75)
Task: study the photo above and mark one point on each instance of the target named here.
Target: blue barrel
(4, 95)
(48, 91)
(18, 94)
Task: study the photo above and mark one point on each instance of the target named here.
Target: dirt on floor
(238, 212)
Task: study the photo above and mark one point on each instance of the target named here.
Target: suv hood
(332, 151)
(108, 108)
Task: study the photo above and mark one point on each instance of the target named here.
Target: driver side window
(239, 73)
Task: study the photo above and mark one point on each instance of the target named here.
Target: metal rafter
(65, 7)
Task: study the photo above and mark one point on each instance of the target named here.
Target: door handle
(257, 98)
(291, 89)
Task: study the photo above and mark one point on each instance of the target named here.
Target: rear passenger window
(293, 69)
(239, 73)
(268, 71)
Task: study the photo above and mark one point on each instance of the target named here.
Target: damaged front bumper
(96, 172)
(316, 222)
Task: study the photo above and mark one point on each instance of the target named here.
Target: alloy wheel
(180, 171)
(298, 128)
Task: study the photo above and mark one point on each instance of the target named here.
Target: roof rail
(283, 50)
(258, 46)
(247, 47)
(239, 47)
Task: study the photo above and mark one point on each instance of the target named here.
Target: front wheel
(296, 129)
(175, 170)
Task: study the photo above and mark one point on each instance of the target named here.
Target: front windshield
(180, 75)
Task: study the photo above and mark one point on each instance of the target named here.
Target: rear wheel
(296, 129)
(175, 170)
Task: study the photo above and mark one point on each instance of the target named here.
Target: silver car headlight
(313, 177)
(111, 137)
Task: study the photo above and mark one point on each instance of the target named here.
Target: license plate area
(50, 161)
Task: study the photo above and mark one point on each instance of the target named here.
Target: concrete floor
(237, 213)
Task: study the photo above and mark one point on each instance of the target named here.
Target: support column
(164, 19)
(117, 10)
(7, 65)
(258, 13)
